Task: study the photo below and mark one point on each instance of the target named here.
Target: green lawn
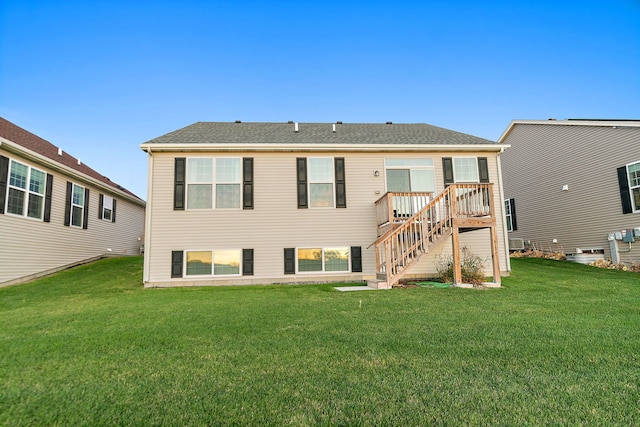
(558, 344)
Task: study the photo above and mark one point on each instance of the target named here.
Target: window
(409, 175)
(213, 179)
(321, 182)
(76, 211)
(510, 214)
(323, 259)
(77, 205)
(26, 191)
(633, 172)
(224, 262)
(107, 208)
(465, 169)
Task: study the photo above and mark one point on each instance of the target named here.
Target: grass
(559, 344)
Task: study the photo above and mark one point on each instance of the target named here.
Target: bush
(471, 266)
(606, 263)
(534, 253)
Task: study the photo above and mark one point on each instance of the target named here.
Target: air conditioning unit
(516, 245)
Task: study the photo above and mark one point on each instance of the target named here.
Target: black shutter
(85, 220)
(179, 184)
(341, 196)
(447, 170)
(483, 169)
(176, 263)
(289, 261)
(67, 207)
(625, 193)
(301, 168)
(247, 183)
(356, 259)
(4, 178)
(247, 262)
(512, 205)
(100, 205)
(47, 198)
(113, 211)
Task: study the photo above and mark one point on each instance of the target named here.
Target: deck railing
(403, 245)
(396, 207)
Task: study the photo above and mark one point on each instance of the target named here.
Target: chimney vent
(79, 162)
(334, 128)
(59, 151)
(295, 126)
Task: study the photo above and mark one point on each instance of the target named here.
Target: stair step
(378, 284)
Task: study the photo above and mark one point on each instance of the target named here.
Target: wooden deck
(411, 224)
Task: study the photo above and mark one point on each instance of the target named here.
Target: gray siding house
(573, 186)
(258, 203)
(57, 212)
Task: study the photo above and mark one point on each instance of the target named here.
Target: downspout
(147, 220)
(505, 233)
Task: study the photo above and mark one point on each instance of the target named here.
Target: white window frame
(323, 250)
(214, 183)
(508, 218)
(213, 263)
(634, 186)
(73, 204)
(311, 182)
(458, 179)
(28, 193)
(411, 167)
(107, 200)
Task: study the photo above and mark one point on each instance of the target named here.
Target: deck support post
(494, 255)
(455, 248)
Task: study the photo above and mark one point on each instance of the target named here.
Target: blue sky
(98, 78)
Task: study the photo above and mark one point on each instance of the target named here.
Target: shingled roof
(317, 133)
(43, 147)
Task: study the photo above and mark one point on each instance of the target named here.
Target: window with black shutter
(341, 190)
(247, 262)
(247, 183)
(179, 183)
(301, 179)
(289, 261)
(176, 263)
(356, 259)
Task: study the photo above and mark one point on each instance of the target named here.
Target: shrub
(471, 266)
(607, 263)
(534, 253)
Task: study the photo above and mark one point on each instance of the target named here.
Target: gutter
(321, 147)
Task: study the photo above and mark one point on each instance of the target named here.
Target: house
(56, 212)
(573, 186)
(259, 203)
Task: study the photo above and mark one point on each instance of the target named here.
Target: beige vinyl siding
(30, 247)
(545, 157)
(275, 222)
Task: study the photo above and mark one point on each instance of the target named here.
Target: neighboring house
(573, 186)
(258, 203)
(56, 212)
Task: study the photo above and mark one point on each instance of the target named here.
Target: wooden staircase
(404, 240)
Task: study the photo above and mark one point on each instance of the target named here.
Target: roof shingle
(43, 147)
(316, 133)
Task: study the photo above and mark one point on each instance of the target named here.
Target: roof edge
(613, 123)
(40, 159)
(157, 147)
